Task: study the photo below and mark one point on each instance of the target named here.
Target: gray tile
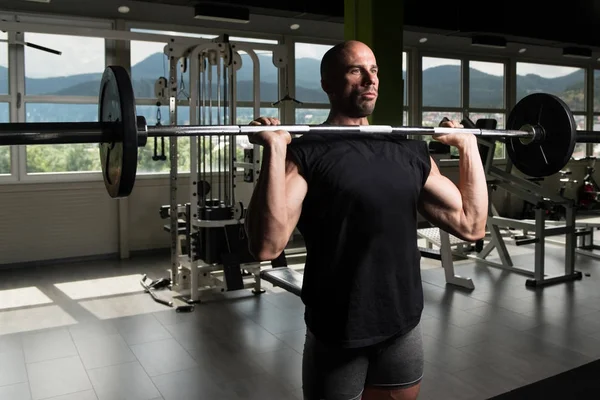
(123, 381)
(20, 391)
(286, 301)
(86, 395)
(220, 361)
(445, 357)
(12, 367)
(140, 329)
(294, 339)
(255, 388)
(57, 377)
(103, 351)
(438, 384)
(163, 357)
(506, 317)
(566, 337)
(188, 384)
(10, 343)
(284, 365)
(93, 329)
(48, 345)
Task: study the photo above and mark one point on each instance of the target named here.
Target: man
(355, 200)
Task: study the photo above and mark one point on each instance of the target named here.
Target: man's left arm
(461, 209)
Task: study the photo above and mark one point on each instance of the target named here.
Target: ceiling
(533, 21)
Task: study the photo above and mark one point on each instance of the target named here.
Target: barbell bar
(540, 136)
(106, 132)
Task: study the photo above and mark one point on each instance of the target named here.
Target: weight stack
(213, 244)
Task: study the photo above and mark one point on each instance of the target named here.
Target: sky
(86, 54)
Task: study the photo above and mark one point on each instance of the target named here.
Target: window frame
(465, 58)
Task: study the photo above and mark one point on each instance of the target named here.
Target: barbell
(540, 135)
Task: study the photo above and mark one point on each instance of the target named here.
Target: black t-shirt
(362, 280)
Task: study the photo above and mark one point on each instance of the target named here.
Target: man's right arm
(276, 202)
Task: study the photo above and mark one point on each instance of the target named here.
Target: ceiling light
(123, 9)
(423, 40)
(522, 50)
(222, 13)
(294, 26)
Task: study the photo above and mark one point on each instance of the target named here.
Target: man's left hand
(453, 139)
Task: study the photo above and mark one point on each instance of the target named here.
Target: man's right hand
(268, 138)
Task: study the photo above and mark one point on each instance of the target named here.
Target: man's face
(354, 87)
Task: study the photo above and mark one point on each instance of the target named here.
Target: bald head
(349, 77)
(333, 60)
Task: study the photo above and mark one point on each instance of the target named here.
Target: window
(63, 88)
(269, 79)
(441, 91)
(308, 83)
(311, 116)
(4, 105)
(568, 83)
(4, 150)
(405, 121)
(486, 95)
(148, 64)
(596, 94)
(441, 82)
(3, 64)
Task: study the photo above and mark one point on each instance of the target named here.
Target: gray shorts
(342, 374)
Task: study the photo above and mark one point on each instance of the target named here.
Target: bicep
(440, 198)
(296, 188)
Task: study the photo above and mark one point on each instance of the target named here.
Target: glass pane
(148, 64)
(62, 157)
(77, 72)
(405, 118)
(441, 82)
(244, 117)
(499, 117)
(433, 118)
(580, 148)
(3, 64)
(146, 163)
(486, 84)
(405, 77)
(308, 72)
(596, 90)
(596, 149)
(4, 150)
(568, 83)
(269, 78)
(311, 116)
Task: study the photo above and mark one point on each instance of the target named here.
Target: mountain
(440, 84)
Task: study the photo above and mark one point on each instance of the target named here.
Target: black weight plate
(119, 159)
(547, 157)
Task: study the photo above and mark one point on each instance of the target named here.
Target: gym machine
(211, 224)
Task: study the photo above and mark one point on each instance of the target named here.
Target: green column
(379, 24)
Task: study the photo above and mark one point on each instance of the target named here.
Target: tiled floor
(86, 331)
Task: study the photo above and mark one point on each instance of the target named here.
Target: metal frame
(541, 198)
(189, 274)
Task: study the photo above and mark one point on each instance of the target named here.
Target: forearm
(473, 187)
(267, 214)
